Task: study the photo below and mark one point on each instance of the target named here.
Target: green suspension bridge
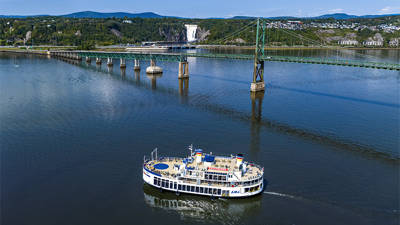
(259, 58)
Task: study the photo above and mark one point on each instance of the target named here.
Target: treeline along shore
(86, 33)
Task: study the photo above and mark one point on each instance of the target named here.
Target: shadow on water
(394, 105)
(256, 122)
(309, 92)
(203, 209)
(256, 113)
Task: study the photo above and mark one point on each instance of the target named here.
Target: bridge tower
(258, 73)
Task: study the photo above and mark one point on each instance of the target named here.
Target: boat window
(197, 189)
(174, 185)
(155, 181)
(201, 189)
(206, 190)
(183, 187)
(219, 177)
(219, 191)
(192, 188)
(206, 176)
(179, 187)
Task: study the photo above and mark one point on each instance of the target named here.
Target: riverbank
(35, 52)
(291, 47)
(44, 51)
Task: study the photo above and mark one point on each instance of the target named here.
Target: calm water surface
(73, 136)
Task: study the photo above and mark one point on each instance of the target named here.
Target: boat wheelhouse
(204, 174)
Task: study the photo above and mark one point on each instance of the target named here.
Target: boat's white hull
(225, 192)
(147, 49)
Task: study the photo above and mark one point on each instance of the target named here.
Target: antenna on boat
(154, 154)
(191, 149)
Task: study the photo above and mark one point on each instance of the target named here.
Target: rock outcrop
(172, 34)
(202, 34)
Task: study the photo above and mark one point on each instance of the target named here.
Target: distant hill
(337, 16)
(344, 16)
(90, 14)
(19, 16)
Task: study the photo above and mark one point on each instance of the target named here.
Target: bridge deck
(180, 57)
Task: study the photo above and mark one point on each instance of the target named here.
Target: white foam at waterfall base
(191, 32)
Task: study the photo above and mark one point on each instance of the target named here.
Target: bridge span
(259, 58)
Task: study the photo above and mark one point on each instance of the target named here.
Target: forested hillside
(88, 32)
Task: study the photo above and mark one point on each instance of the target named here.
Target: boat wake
(280, 194)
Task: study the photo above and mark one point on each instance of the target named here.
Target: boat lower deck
(179, 186)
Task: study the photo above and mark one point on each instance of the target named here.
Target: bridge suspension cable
(241, 30)
(324, 46)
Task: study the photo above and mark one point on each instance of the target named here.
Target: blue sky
(203, 8)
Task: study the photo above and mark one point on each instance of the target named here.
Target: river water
(73, 137)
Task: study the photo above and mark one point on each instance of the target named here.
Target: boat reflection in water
(204, 209)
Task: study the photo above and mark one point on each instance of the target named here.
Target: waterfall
(191, 32)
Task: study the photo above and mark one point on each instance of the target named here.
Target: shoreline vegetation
(87, 33)
(36, 49)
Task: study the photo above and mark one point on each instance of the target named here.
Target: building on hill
(348, 42)
(377, 40)
(394, 42)
(373, 43)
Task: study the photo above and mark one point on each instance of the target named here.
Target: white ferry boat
(147, 49)
(204, 174)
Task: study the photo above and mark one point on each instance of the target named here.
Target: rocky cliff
(173, 34)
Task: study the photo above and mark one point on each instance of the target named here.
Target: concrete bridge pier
(153, 69)
(137, 65)
(183, 70)
(109, 62)
(257, 86)
(88, 59)
(122, 63)
(98, 61)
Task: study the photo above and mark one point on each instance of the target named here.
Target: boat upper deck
(221, 166)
